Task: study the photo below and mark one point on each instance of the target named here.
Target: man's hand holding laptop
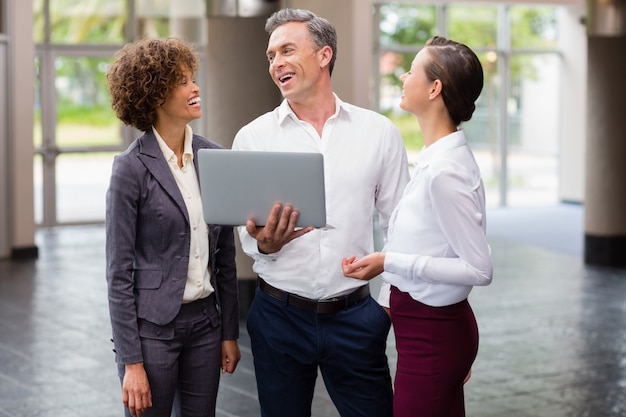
(280, 229)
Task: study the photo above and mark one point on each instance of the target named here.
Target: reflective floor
(553, 331)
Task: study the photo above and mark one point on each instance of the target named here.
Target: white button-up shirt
(365, 169)
(198, 283)
(437, 249)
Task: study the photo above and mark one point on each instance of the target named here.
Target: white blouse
(437, 249)
(198, 278)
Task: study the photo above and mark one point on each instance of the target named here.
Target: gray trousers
(182, 361)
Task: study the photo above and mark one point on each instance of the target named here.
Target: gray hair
(321, 30)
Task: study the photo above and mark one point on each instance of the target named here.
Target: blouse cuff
(403, 264)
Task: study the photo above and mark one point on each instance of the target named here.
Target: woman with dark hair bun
(437, 250)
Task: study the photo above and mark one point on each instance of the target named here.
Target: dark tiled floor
(553, 332)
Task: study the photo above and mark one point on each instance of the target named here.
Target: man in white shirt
(306, 315)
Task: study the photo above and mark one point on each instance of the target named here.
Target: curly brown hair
(144, 74)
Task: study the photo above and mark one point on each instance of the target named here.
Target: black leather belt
(326, 306)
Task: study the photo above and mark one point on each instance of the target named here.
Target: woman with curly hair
(436, 249)
(171, 278)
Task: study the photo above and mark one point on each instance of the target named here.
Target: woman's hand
(366, 268)
(230, 356)
(136, 394)
(468, 376)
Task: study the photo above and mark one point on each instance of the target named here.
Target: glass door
(513, 132)
(76, 132)
(76, 136)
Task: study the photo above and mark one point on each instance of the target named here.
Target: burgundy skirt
(436, 348)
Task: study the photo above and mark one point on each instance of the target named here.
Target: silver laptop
(238, 185)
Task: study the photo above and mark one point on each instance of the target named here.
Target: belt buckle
(320, 307)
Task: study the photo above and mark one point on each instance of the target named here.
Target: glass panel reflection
(38, 187)
(533, 27)
(153, 18)
(403, 24)
(533, 115)
(483, 129)
(87, 21)
(38, 21)
(81, 184)
(475, 26)
(84, 113)
(403, 30)
(37, 129)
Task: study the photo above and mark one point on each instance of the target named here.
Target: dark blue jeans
(289, 344)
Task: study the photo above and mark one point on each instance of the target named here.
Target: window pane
(483, 129)
(37, 129)
(38, 187)
(533, 27)
(404, 29)
(81, 184)
(406, 24)
(87, 21)
(391, 66)
(38, 21)
(533, 130)
(84, 113)
(475, 26)
(153, 18)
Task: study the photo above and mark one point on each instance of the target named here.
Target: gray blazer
(147, 249)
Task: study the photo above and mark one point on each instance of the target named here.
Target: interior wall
(239, 87)
(20, 115)
(353, 21)
(605, 186)
(5, 250)
(17, 225)
(573, 120)
(605, 223)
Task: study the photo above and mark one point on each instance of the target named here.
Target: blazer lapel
(196, 145)
(151, 156)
